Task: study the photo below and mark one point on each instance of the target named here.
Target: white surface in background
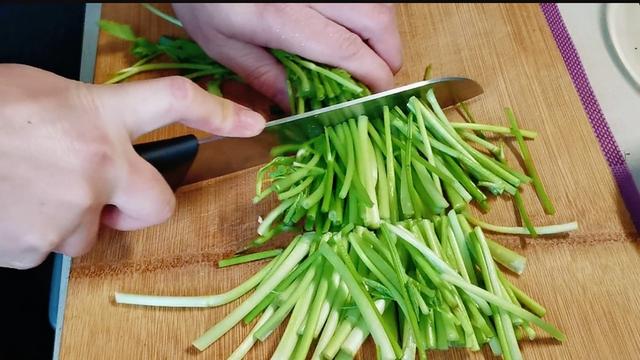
(623, 25)
(615, 89)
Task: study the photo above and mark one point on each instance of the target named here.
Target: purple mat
(599, 124)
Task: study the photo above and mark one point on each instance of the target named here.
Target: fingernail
(250, 123)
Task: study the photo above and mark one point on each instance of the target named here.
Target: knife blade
(186, 160)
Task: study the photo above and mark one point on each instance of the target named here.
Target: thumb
(141, 198)
(143, 106)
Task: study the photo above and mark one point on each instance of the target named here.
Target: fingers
(141, 198)
(146, 105)
(374, 23)
(304, 31)
(253, 63)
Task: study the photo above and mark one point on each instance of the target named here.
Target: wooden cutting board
(587, 280)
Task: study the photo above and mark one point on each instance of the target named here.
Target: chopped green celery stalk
(351, 162)
(163, 15)
(463, 247)
(295, 190)
(276, 161)
(433, 259)
(382, 187)
(399, 270)
(195, 301)
(429, 208)
(442, 342)
(516, 230)
(273, 231)
(457, 254)
(286, 294)
(378, 267)
(311, 216)
(284, 309)
(249, 257)
(201, 73)
(328, 89)
(328, 184)
(462, 177)
(341, 355)
(510, 337)
(241, 351)
(526, 300)
(337, 90)
(360, 332)
(426, 143)
(482, 173)
(430, 333)
(280, 150)
(499, 320)
(304, 342)
(388, 349)
(375, 137)
(305, 86)
(290, 94)
(524, 179)
(440, 131)
(337, 210)
(163, 66)
(507, 257)
(341, 333)
(301, 106)
(316, 196)
(140, 62)
(493, 149)
(214, 333)
(337, 144)
(360, 193)
(457, 202)
(418, 205)
(417, 299)
(333, 287)
(530, 165)
(282, 257)
(317, 87)
(367, 168)
(408, 342)
(445, 175)
(393, 204)
(427, 73)
(435, 144)
(492, 165)
(406, 203)
(516, 321)
(349, 85)
(285, 183)
(430, 186)
(495, 189)
(493, 128)
(287, 343)
(460, 312)
(283, 287)
(517, 199)
(332, 321)
(400, 113)
(273, 215)
(429, 234)
(352, 211)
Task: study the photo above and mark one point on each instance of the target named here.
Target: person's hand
(67, 162)
(361, 38)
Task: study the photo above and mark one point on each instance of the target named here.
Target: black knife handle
(171, 157)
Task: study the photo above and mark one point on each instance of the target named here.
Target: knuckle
(180, 90)
(350, 45)
(261, 76)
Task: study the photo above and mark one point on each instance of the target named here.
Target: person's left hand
(360, 38)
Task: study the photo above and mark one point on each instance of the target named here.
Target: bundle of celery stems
(384, 244)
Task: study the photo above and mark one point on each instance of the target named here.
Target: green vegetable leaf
(118, 30)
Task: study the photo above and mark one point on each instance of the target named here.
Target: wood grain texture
(586, 280)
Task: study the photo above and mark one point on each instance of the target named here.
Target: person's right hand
(67, 163)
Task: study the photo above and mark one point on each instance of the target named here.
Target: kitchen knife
(187, 159)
